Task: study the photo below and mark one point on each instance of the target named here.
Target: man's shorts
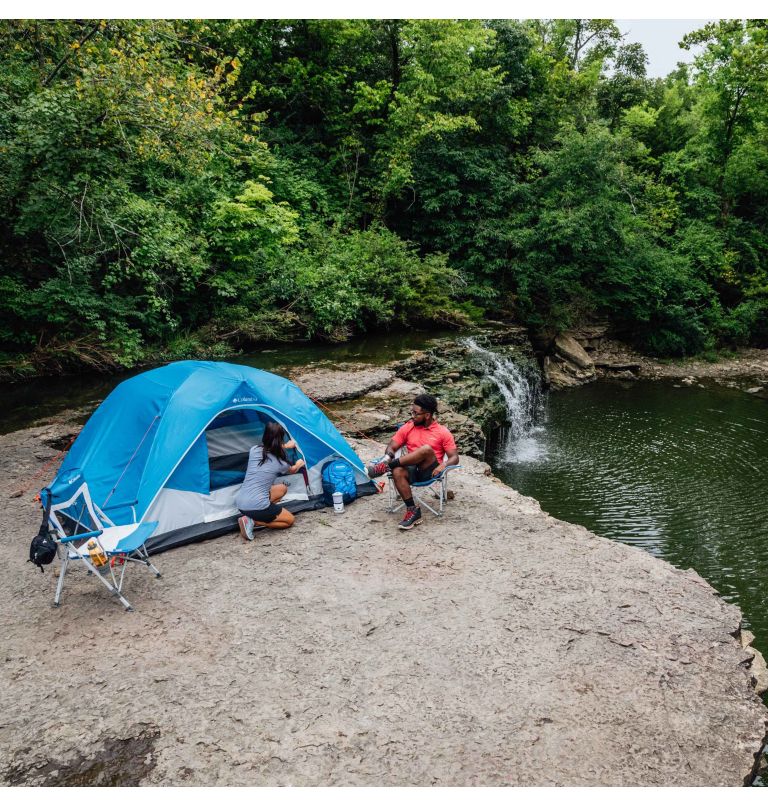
(263, 515)
(417, 474)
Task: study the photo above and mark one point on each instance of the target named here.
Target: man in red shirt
(430, 449)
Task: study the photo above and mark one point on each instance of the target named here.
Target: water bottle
(338, 502)
(96, 554)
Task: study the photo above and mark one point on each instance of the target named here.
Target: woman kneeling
(259, 496)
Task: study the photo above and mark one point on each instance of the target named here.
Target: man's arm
(451, 457)
(393, 447)
(399, 439)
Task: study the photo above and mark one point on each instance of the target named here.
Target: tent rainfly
(171, 445)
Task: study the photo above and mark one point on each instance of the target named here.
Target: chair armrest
(446, 470)
(81, 536)
(439, 477)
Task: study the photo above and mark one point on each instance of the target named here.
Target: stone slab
(494, 646)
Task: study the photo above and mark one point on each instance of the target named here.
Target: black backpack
(42, 549)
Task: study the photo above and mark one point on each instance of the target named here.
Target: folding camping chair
(120, 545)
(437, 485)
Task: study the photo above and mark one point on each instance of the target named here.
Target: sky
(659, 38)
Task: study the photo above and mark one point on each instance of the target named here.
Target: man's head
(423, 409)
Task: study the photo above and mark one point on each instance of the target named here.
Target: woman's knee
(283, 520)
(287, 517)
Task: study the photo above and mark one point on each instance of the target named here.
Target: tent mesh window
(230, 438)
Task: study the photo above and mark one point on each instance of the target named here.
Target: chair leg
(393, 496)
(113, 589)
(144, 554)
(422, 503)
(126, 604)
(439, 490)
(60, 584)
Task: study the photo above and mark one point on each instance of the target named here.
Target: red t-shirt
(414, 436)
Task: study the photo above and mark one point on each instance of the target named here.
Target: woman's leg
(282, 521)
(276, 492)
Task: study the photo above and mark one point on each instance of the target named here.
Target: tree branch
(64, 59)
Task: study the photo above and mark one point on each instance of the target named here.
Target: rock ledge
(494, 646)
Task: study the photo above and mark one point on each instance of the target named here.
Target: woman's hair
(272, 442)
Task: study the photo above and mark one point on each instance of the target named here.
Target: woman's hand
(289, 445)
(298, 466)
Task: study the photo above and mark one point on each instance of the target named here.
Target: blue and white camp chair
(437, 486)
(120, 545)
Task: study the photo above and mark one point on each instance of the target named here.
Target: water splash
(524, 401)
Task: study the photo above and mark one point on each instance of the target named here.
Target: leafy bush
(183, 187)
(362, 281)
(747, 323)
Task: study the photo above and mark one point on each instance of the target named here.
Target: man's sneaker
(375, 469)
(246, 527)
(412, 518)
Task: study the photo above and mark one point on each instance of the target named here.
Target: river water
(681, 472)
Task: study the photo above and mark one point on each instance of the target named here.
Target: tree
(626, 86)
(732, 73)
(584, 246)
(115, 147)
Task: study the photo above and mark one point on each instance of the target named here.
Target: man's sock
(394, 463)
(408, 502)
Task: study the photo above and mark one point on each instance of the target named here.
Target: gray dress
(254, 494)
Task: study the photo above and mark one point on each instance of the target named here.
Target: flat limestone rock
(618, 366)
(748, 363)
(342, 383)
(493, 646)
(558, 378)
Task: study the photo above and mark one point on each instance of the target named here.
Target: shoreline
(745, 363)
(747, 370)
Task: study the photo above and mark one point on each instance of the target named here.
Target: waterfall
(524, 400)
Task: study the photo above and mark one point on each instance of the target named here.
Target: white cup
(338, 502)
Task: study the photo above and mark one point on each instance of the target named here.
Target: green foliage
(585, 247)
(191, 187)
(108, 164)
(368, 281)
(747, 323)
(334, 285)
(242, 232)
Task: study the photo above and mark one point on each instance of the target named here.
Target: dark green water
(681, 472)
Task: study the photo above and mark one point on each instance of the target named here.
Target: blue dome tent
(171, 445)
